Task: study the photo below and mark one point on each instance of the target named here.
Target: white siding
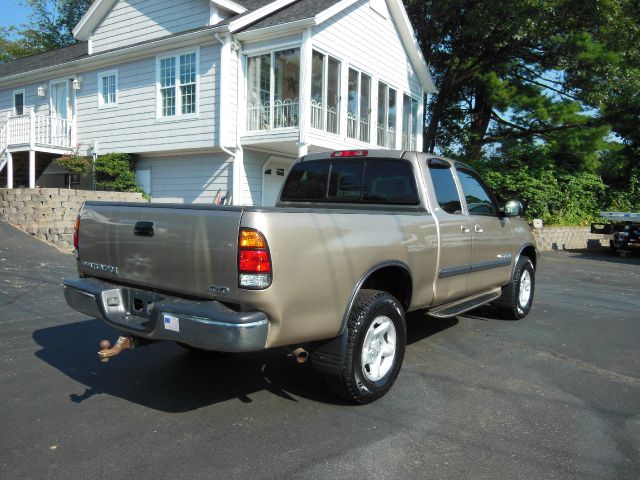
(32, 99)
(135, 21)
(370, 42)
(251, 183)
(188, 178)
(132, 126)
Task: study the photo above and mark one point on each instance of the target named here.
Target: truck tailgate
(190, 250)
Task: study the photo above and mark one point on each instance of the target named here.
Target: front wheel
(517, 297)
(374, 349)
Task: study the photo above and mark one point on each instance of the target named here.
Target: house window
(386, 116)
(18, 102)
(177, 82)
(273, 89)
(410, 122)
(359, 106)
(108, 89)
(325, 92)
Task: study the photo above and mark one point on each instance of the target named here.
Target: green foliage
(114, 172)
(74, 163)
(50, 27)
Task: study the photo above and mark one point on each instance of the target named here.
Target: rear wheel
(517, 297)
(374, 349)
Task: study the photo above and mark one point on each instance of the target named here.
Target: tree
(502, 69)
(50, 27)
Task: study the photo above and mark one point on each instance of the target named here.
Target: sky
(13, 12)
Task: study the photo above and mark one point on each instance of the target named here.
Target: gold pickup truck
(357, 239)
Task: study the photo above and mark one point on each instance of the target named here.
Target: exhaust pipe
(300, 355)
(123, 343)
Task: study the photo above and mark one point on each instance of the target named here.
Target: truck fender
(327, 356)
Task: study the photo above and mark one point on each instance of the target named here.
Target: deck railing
(386, 136)
(36, 130)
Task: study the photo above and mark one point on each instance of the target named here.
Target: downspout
(235, 189)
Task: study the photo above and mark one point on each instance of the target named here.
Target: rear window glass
(374, 180)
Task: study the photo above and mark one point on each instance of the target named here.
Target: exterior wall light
(42, 91)
(76, 83)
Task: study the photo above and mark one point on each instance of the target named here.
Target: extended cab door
(491, 243)
(455, 234)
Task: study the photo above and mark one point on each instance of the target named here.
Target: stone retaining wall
(569, 238)
(49, 213)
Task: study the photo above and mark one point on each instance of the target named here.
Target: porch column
(306, 52)
(32, 169)
(32, 148)
(9, 170)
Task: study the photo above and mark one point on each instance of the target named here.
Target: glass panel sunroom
(273, 90)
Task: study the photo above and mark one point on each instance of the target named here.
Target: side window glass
(479, 200)
(445, 186)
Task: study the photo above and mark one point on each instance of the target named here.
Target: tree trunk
(429, 143)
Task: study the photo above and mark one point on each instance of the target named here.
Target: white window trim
(413, 117)
(372, 126)
(101, 75)
(178, 116)
(271, 50)
(386, 113)
(325, 88)
(24, 101)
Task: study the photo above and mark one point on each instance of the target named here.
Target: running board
(463, 305)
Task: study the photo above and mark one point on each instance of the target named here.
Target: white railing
(33, 129)
(352, 127)
(408, 142)
(285, 114)
(386, 136)
(318, 117)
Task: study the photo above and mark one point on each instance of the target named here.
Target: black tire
(509, 304)
(353, 383)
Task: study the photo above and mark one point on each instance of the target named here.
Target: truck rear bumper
(209, 325)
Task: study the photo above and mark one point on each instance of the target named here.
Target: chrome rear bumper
(209, 325)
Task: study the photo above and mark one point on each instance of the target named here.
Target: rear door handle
(478, 228)
(144, 229)
(464, 228)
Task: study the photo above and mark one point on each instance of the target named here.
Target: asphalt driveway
(556, 395)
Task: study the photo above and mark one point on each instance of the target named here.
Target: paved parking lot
(556, 395)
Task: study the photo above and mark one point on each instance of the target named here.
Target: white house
(215, 96)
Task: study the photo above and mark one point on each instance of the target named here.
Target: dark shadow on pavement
(421, 326)
(166, 377)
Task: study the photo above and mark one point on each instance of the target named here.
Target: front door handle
(464, 228)
(478, 228)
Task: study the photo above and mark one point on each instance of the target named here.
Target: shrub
(114, 172)
(74, 163)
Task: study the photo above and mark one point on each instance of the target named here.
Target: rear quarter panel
(319, 256)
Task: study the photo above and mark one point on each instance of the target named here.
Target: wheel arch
(393, 277)
(530, 251)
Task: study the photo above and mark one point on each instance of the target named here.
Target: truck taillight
(350, 153)
(76, 231)
(254, 261)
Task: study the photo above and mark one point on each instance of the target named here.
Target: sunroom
(297, 103)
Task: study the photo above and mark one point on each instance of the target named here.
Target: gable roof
(46, 59)
(260, 15)
(318, 11)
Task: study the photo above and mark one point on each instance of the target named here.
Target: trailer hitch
(123, 343)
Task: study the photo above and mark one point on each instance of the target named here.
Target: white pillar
(9, 170)
(304, 101)
(303, 149)
(32, 169)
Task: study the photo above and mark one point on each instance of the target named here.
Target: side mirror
(513, 208)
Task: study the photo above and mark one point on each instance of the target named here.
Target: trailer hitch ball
(123, 343)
